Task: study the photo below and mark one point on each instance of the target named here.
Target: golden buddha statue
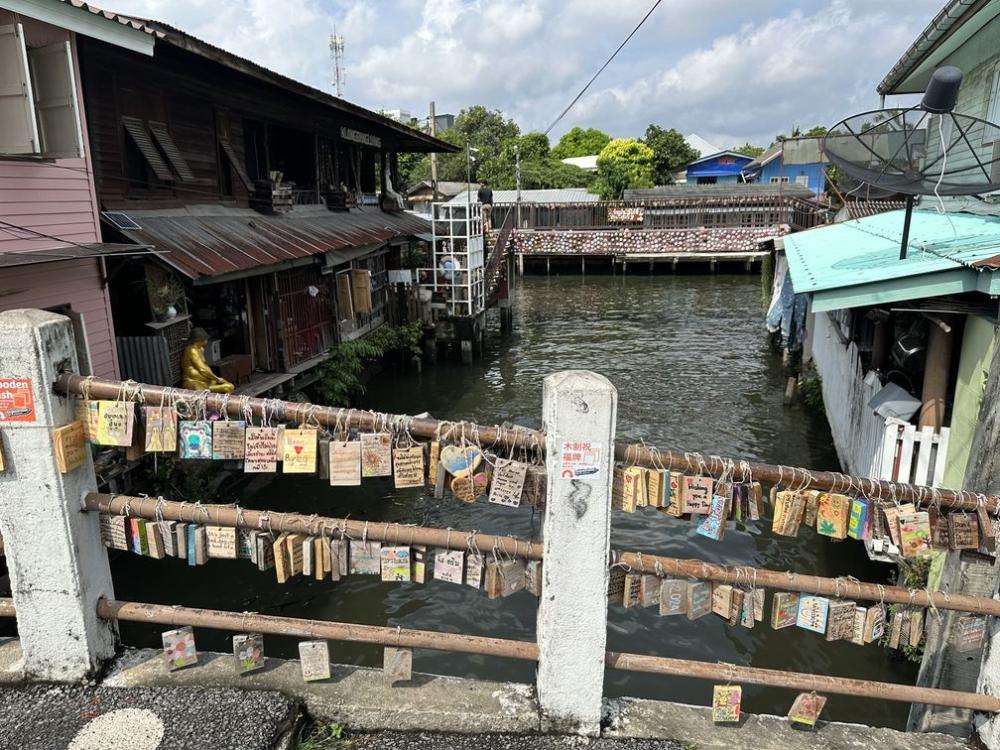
(196, 375)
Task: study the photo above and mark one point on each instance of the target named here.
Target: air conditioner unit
(213, 351)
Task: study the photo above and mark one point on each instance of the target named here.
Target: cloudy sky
(729, 70)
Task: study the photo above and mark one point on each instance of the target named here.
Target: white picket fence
(913, 456)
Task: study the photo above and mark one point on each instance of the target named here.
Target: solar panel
(119, 220)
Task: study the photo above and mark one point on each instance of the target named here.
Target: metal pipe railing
(522, 437)
(228, 515)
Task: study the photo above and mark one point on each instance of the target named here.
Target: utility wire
(601, 69)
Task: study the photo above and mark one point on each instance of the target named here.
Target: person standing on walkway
(486, 198)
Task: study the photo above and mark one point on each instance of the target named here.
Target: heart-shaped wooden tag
(460, 462)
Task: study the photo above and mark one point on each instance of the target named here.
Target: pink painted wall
(56, 198)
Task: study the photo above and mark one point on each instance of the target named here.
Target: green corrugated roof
(857, 262)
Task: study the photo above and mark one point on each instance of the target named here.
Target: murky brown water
(690, 359)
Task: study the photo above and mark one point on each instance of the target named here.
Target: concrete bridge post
(58, 566)
(579, 412)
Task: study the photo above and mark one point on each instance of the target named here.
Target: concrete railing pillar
(579, 410)
(58, 566)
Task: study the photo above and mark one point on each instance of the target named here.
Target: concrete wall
(973, 369)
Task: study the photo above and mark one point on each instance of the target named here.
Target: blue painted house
(721, 167)
(796, 161)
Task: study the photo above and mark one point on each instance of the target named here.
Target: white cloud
(727, 69)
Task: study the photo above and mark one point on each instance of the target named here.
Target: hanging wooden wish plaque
(397, 664)
(698, 495)
(699, 599)
(314, 658)
(812, 615)
(161, 429)
(806, 709)
(195, 438)
(508, 482)
(376, 454)
(88, 412)
(784, 609)
(449, 565)
(673, 597)
(963, 531)
(261, 450)
(833, 514)
(408, 467)
(178, 648)
(70, 446)
(299, 451)
(228, 440)
(726, 700)
(115, 420)
(840, 620)
(396, 563)
(915, 533)
(345, 463)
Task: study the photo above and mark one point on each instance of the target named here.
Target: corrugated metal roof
(857, 263)
(208, 241)
(542, 195)
(135, 23)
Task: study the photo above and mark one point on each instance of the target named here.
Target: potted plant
(166, 296)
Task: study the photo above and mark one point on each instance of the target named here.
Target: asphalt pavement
(61, 717)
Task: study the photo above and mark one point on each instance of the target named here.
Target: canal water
(694, 372)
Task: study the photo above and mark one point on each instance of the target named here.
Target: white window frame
(802, 179)
(52, 126)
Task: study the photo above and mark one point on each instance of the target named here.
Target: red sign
(17, 402)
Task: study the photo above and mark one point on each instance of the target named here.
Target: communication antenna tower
(337, 53)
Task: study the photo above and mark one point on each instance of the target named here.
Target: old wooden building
(270, 206)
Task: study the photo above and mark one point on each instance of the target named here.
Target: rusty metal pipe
(801, 681)
(297, 627)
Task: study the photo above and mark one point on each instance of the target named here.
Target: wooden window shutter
(162, 136)
(237, 164)
(345, 306)
(18, 129)
(56, 105)
(361, 290)
(136, 128)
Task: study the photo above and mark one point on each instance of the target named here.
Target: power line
(601, 69)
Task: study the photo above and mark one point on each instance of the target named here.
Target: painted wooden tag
(916, 627)
(722, 600)
(345, 463)
(699, 599)
(618, 488)
(504, 577)
(260, 454)
(840, 620)
(113, 531)
(115, 420)
(395, 564)
(449, 565)
(784, 609)
(168, 533)
(698, 495)
(810, 510)
(314, 658)
(832, 517)
(474, 564)
(195, 438)
(963, 531)
(616, 585)
(874, 623)
(806, 709)
(221, 542)
(468, 488)
(154, 541)
(161, 429)
(634, 489)
(408, 467)
(88, 413)
(812, 614)
(433, 461)
(655, 488)
(365, 558)
(857, 523)
(70, 446)
(676, 506)
(971, 631)
(248, 652)
(508, 482)
(915, 534)
(533, 577)
(299, 451)
(418, 573)
(397, 664)
(858, 636)
(726, 700)
(673, 597)
(376, 454)
(461, 461)
(714, 524)
(228, 440)
(179, 649)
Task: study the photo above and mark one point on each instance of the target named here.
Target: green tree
(624, 163)
(485, 130)
(539, 169)
(670, 152)
(816, 130)
(580, 142)
(749, 149)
